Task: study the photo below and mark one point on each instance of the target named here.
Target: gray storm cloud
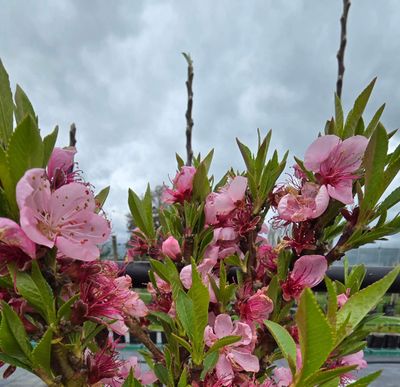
(116, 71)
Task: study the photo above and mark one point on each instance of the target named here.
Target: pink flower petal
(309, 270)
(62, 159)
(319, 151)
(12, 234)
(352, 151)
(29, 224)
(71, 249)
(224, 370)
(223, 325)
(237, 188)
(244, 359)
(342, 191)
(321, 202)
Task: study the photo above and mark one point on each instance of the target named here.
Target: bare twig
(188, 115)
(342, 47)
(72, 135)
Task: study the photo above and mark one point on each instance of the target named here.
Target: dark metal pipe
(138, 271)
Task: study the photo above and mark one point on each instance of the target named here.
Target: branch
(143, 337)
(342, 47)
(188, 115)
(72, 135)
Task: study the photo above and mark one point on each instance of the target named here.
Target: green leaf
(285, 342)
(65, 308)
(357, 111)
(13, 338)
(391, 200)
(161, 373)
(179, 160)
(23, 106)
(316, 340)
(209, 363)
(184, 310)
(139, 214)
(247, 156)
(200, 300)
(201, 185)
(374, 122)
(15, 362)
(326, 376)
(374, 163)
(332, 302)
(25, 149)
(182, 342)
(8, 184)
(220, 343)
(366, 380)
(101, 197)
(42, 352)
(6, 106)
(356, 278)
(358, 305)
(48, 145)
(35, 289)
(183, 378)
(338, 115)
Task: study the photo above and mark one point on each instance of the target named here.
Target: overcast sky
(116, 70)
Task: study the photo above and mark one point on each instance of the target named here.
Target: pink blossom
(256, 308)
(171, 248)
(182, 186)
(205, 271)
(15, 246)
(221, 204)
(308, 271)
(235, 357)
(343, 298)
(348, 360)
(267, 259)
(309, 204)
(335, 163)
(60, 166)
(102, 365)
(283, 377)
(64, 218)
(132, 304)
(106, 299)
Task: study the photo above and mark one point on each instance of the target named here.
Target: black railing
(138, 271)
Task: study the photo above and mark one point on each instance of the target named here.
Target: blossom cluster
(330, 168)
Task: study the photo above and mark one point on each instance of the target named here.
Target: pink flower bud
(257, 307)
(171, 248)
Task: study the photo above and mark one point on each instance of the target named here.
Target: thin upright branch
(342, 47)
(188, 115)
(72, 135)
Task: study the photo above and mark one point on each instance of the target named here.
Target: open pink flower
(64, 218)
(171, 248)
(335, 162)
(235, 357)
(182, 186)
(221, 204)
(15, 246)
(60, 166)
(308, 271)
(309, 204)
